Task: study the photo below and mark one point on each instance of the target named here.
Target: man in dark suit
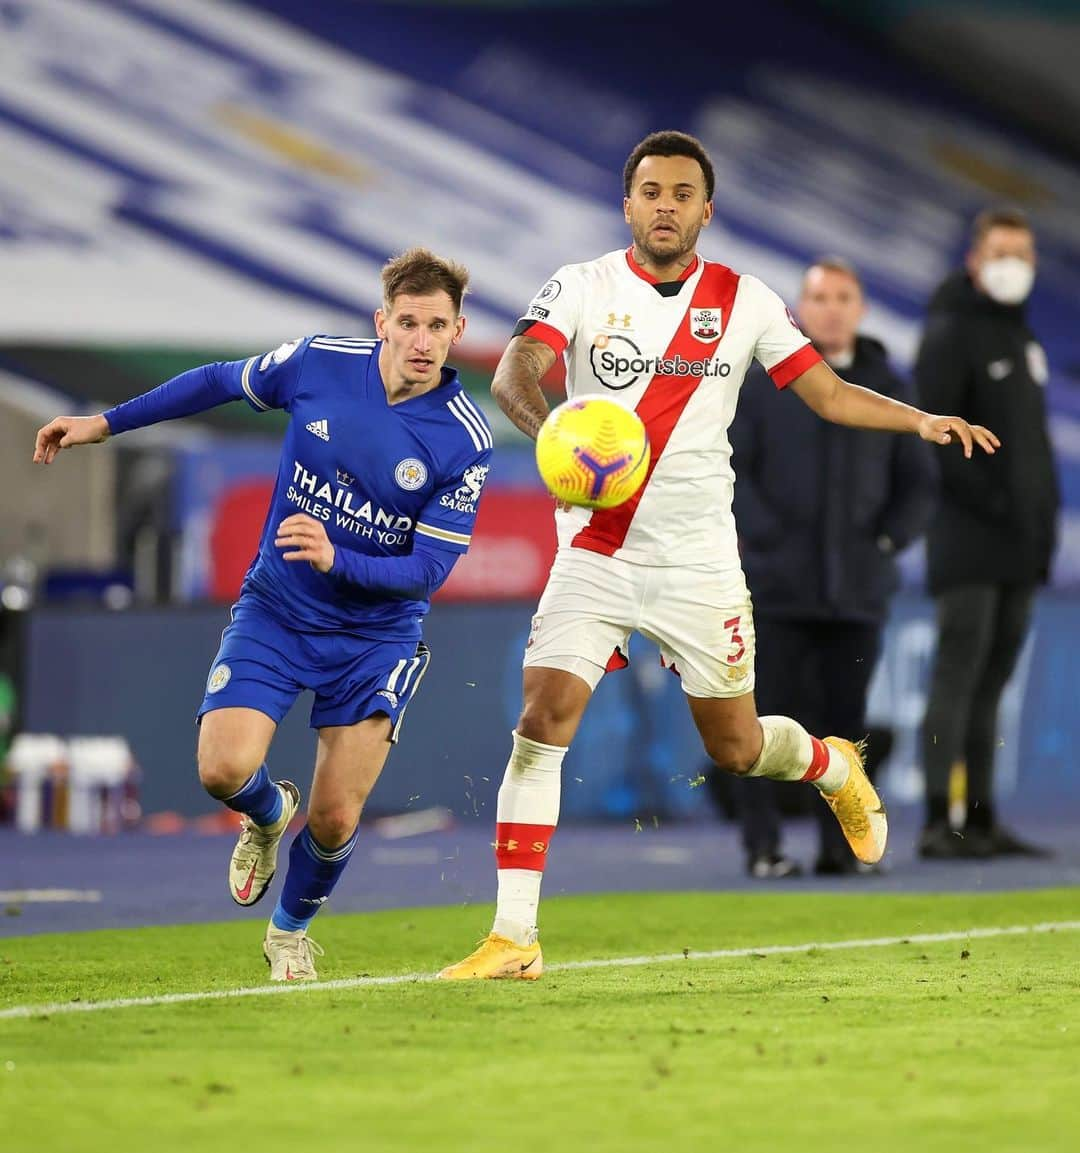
(821, 511)
(992, 538)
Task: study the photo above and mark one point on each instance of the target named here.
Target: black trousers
(817, 672)
(981, 630)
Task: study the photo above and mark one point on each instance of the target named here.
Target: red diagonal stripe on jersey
(661, 405)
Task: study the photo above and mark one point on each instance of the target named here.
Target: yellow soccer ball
(593, 452)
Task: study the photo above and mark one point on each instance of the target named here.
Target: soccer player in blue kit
(381, 470)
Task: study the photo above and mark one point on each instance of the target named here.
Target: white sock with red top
(790, 753)
(527, 813)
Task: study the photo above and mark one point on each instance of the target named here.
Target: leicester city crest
(411, 474)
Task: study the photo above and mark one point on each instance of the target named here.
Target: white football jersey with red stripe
(677, 354)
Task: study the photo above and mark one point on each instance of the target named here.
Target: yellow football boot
(858, 808)
(497, 957)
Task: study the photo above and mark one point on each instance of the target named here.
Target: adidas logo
(320, 429)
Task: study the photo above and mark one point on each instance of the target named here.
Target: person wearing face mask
(992, 537)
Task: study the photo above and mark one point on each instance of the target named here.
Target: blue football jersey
(379, 477)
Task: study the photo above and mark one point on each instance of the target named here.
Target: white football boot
(289, 955)
(254, 860)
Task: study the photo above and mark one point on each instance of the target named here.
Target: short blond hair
(420, 272)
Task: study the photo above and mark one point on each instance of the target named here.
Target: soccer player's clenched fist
(306, 539)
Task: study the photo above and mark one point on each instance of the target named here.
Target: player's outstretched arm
(843, 403)
(266, 386)
(516, 383)
(67, 432)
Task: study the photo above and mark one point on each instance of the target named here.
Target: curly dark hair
(670, 143)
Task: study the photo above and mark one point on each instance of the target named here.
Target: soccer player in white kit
(671, 335)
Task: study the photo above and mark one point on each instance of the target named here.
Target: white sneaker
(289, 955)
(254, 860)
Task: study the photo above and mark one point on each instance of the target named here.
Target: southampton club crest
(705, 324)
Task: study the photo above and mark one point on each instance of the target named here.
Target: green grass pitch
(914, 1046)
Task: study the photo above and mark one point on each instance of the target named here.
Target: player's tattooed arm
(516, 383)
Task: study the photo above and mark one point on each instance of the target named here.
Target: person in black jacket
(821, 511)
(992, 538)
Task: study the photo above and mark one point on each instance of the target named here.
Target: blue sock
(260, 799)
(313, 873)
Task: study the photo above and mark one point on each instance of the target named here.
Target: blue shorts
(262, 664)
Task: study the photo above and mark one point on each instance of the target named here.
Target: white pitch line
(48, 896)
(595, 963)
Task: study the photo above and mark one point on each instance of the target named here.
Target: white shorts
(701, 620)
